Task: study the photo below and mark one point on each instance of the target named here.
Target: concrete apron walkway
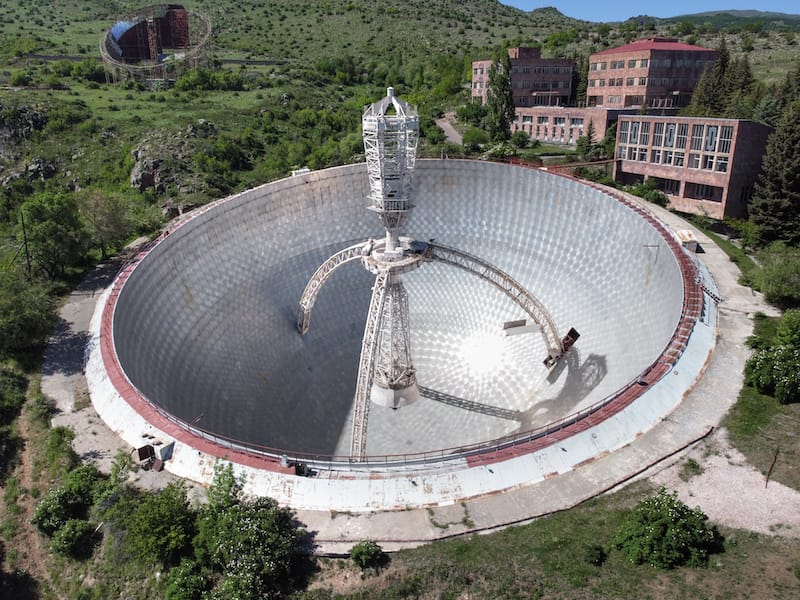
(335, 532)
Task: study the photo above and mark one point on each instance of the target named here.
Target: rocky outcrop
(18, 123)
(163, 159)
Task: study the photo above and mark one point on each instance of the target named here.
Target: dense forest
(86, 166)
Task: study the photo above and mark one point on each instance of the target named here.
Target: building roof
(655, 43)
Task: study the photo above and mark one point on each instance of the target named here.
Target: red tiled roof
(654, 44)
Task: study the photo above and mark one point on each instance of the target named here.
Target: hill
(752, 20)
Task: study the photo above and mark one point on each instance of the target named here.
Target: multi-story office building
(535, 81)
(704, 166)
(653, 73)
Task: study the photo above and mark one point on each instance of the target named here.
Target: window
(711, 138)
(642, 154)
(708, 162)
(629, 81)
(593, 67)
(577, 122)
(669, 139)
(658, 134)
(601, 82)
(632, 64)
(559, 121)
(655, 156)
(643, 63)
(634, 132)
(694, 161)
(725, 137)
(592, 82)
(527, 119)
(681, 140)
(623, 132)
(622, 152)
(671, 186)
(678, 161)
(707, 192)
(667, 157)
(619, 81)
(697, 137)
(542, 120)
(602, 66)
(642, 80)
(644, 134)
(722, 164)
(611, 82)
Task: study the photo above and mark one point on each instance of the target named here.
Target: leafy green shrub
(520, 139)
(779, 277)
(161, 526)
(474, 138)
(254, 545)
(53, 511)
(776, 371)
(85, 484)
(185, 582)
(75, 539)
(366, 554)
(12, 392)
(788, 333)
(665, 533)
(649, 191)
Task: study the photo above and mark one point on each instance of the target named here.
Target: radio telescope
(386, 373)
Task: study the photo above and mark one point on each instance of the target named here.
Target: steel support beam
(366, 367)
(509, 286)
(318, 279)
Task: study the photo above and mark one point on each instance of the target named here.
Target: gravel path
(732, 492)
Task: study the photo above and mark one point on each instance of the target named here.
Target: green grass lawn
(548, 559)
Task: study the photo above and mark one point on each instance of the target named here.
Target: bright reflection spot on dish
(483, 353)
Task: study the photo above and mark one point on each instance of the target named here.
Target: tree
(775, 206)
(665, 533)
(107, 216)
(254, 545)
(162, 525)
(75, 539)
(500, 97)
(474, 138)
(26, 312)
(51, 227)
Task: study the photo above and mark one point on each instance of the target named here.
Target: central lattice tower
(386, 373)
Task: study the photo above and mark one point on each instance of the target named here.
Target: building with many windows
(564, 125)
(535, 81)
(655, 72)
(704, 166)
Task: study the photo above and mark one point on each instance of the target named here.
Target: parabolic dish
(204, 326)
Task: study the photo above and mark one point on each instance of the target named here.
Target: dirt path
(31, 547)
(450, 132)
(731, 491)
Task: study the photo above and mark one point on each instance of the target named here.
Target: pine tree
(775, 207)
(739, 82)
(500, 98)
(703, 95)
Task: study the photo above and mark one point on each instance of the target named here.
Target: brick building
(564, 125)
(704, 166)
(655, 72)
(535, 81)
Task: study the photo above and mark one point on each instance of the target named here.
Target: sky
(620, 10)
